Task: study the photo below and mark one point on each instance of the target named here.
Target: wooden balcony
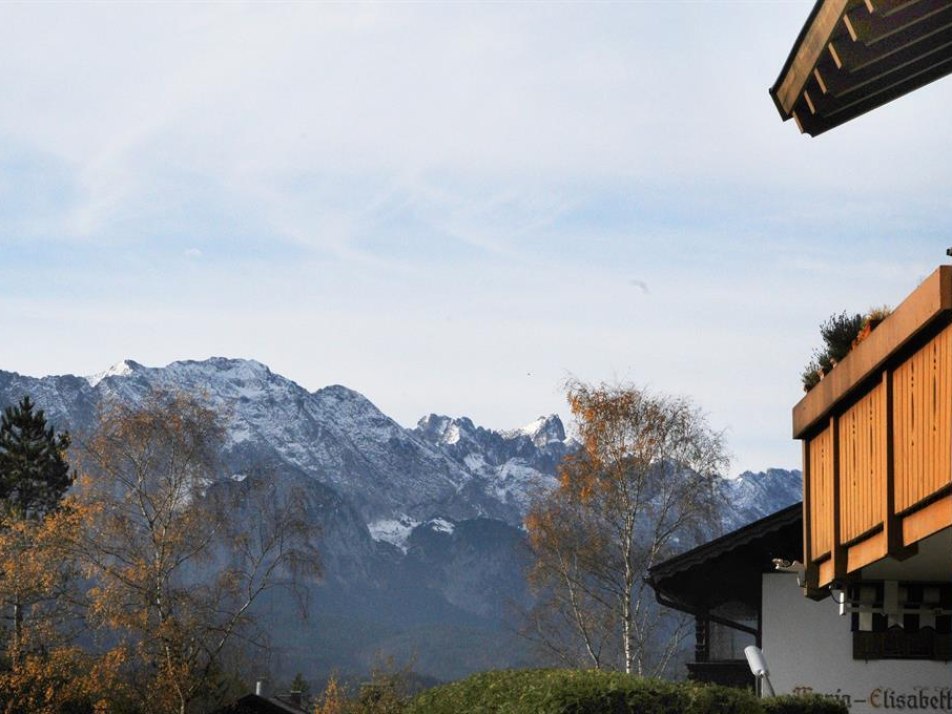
(877, 441)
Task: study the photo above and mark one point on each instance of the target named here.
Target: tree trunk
(626, 614)
(17, 633)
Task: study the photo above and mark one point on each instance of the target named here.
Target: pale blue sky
(451, 207)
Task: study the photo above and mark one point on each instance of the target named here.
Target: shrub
(808, 704)
(387, 692)
(840, 334)
(710, 699)
(578, 692)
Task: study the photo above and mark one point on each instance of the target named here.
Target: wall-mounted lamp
(782, 565)
(758, 666)
(838, 593)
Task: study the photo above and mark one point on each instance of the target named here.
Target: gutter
(675, 605)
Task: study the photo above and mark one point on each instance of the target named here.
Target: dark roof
(729, 568)
(253, 704)
(852, 56)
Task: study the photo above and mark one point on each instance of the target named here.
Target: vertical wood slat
(891, 526)
(810, 570)
(862, 467)
(837, 552)
(922, 399)
(820, 455)
(901, 444)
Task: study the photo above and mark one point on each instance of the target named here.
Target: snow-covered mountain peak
(541, 431)
(224, 382)
(438, 429)
(338, 438)
(221, 369)
(340, 393)
(121, 369)
(228, 365)
(217, 369)
(754, 495)
(350, 407)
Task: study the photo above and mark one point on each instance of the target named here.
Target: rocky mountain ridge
(421, 527)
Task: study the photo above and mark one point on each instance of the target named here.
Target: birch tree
(643, 483)
(176, 577)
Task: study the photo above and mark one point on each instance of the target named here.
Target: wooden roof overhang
(855, 55)
(729, 569)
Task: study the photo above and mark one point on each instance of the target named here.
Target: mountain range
(422, 540)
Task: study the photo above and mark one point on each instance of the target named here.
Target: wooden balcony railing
(877, 440)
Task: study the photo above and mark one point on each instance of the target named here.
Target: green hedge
(578, 692)
(809, 704)
(553, 691)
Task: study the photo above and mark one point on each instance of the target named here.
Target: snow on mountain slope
(120, 369)
(442, 467)
(420, 528)
(515, 464)
(334, 435)
(755, 495)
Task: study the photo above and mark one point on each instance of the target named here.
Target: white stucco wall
(808, 645)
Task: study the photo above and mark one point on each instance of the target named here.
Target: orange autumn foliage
(333, 699)
(643, 480)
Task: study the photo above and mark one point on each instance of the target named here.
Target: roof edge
(791, 57)
(726, 542)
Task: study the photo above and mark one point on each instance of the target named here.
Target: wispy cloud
(391, 188)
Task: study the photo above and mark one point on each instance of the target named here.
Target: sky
(451, 207)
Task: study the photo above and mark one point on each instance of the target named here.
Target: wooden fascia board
(926, 304)
(807, 51)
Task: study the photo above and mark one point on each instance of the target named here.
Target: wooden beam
(926, 521)
(810, 105)
(846, 90)
(870, 27)
(888, 7)
(867, 551)
(884, 92)
(827, 574)
(824, 69)
(808, 123)
(863, 63)
(834, 54)
(808, 50)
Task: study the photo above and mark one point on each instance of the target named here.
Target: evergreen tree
(34, 474)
